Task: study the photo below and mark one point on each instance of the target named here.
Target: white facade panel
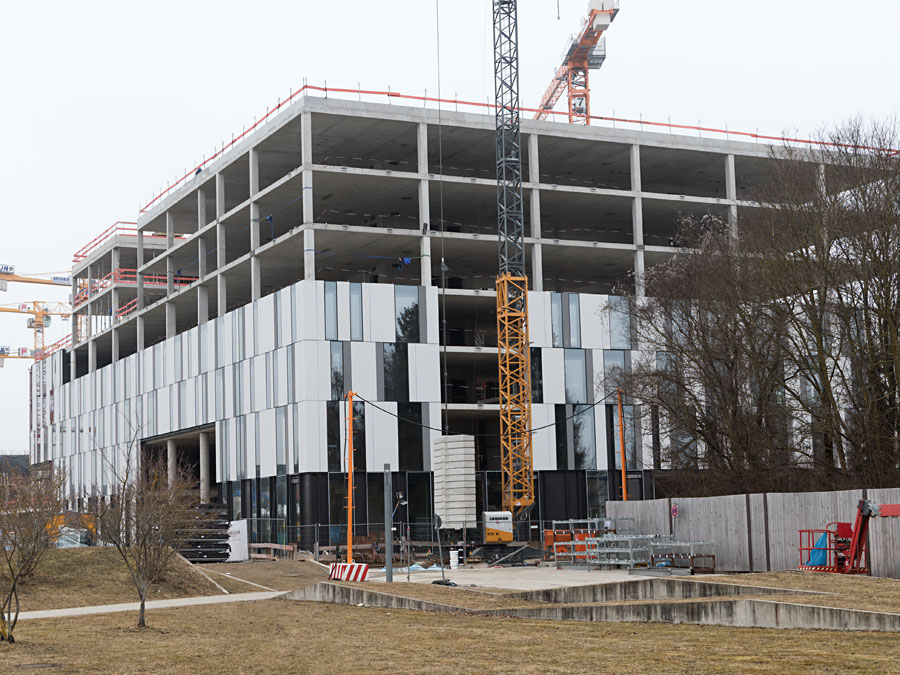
(432, 304)
(594, 330)
(543, 441)
(265, 328)
(343, 310)
(539, 332)
(381, 437)
(424, 372)
(364, 366)
(267, 454)
(283, 298)
(378, 313)
(554, 375)
(313, 455)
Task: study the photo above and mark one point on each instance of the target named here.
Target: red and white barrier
(348, 571)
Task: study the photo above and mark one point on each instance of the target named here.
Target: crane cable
(444, 268)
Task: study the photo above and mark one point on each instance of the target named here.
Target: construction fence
(759, 532)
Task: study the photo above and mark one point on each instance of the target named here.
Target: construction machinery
(843, 547)
(512, 283)
(585, 51)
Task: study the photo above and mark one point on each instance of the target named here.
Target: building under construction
(346, 245)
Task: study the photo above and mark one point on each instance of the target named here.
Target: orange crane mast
(586, 51)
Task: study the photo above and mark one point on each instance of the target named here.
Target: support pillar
(172, 452)
(170, 320)
(309, 253)
(309, 238)
(204, 467)
(202, 304)
(637, 221)
(731, 194)
(388, 529)
(221, 295)
(424, 207)
(92, 356)
(201, 209)
(537, 253)
(255, 290)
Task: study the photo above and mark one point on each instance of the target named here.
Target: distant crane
(586, 51)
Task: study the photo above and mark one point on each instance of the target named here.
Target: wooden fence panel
(651, 516)
(793, 511)
(884, 536)
(759, 535)
(721, 520)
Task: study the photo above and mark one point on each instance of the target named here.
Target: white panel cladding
(363, 366)
(280, 372)
(250, 342)
(309, 312)
(162, 410)
(232, 451)
(228, 376)
(291, 438)
(267, 454)
(594, 327)
(343, 310)
(258, 382)
(265, 329)
(169, 349)
(378, 312)
(247, 385)
(381, 437)
(306, 355)
(283, 299)
(188, 405)
(600, 432)
(193, 347)
(554, 375)
(431, 417)
(210, 396)
(210, 346)
(323, 363)
(538, 312)
(424, 372)
(543, 440)
(433, 317)
(147, 379)
(313, 452)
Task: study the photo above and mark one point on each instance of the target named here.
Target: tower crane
(512, 282)
(586, 51)
(40, 313)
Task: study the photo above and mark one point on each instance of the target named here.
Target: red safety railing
(127, 308)
(55, 347)
(393, 95)
(119, 228)
(128, 276)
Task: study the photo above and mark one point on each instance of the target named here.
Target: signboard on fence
(238, 541)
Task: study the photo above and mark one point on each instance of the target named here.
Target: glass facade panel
(574, 320)
(562, 452)
(333, 434)
(613, 369)
(337, 371)
(576, 376)
(584, 439)
(280, 439)
(356, 312)
(630, 454)
(359, 436)
(406, 307)
(331, 312)
(537, 375)
(556, 319)
(619, 323)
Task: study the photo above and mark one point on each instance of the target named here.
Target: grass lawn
(97, 576)
(284, 636)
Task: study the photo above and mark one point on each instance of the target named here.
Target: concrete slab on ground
(513, 578)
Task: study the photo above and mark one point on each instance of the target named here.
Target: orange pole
(622, 445)
(350, 396)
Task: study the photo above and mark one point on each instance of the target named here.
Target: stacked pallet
(454, 481)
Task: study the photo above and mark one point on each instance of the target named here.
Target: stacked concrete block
(454, 481)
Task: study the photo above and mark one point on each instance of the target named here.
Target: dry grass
(281, 575)
(283, 636)
(849, 592)
(97, 576)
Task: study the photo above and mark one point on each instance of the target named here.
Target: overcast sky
(104, 103)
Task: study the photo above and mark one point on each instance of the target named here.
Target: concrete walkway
(151, 604)
(513, 578)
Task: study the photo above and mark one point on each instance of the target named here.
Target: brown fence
(758, 532)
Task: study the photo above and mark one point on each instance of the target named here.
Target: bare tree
(147, 518)
(31, 511)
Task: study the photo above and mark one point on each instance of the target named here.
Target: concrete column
(637, 220)
(731, 193)
(202, 253)
(424, 207)
(170, 276)
(425, 261)
(92, 356)
(255, 277)
(309, 235)
(139, 274)
(309, 253)
(537, 268)
(89, 304)
(115, 345)
(422, 147)
(204, 467)
(170, 319)
(139, 339)
(202, 304)
(73, 369)
(254, 172)
(172, 451)
(201, 209)
(220, 195)
(221, 295)
(170, 230)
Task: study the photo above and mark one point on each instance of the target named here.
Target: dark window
(583, 437)
(406, 306)
(409, 436)
(537, 375)
(359, 436)
(562, 451)
(333, 433)
(396, 372)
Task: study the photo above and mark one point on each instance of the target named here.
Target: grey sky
(104, 103)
